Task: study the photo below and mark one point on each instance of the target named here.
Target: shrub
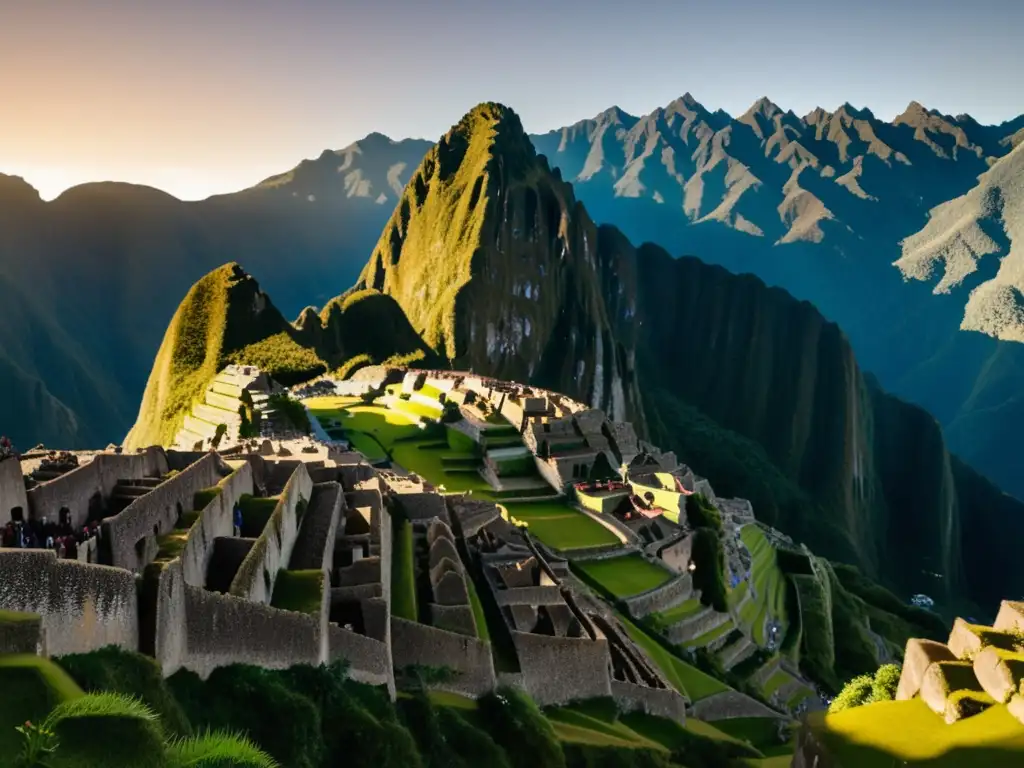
(702, 513)
(293, 411)
(517, 725)
(709, 572)
(133, 674)
(887, 680)
(854, 694)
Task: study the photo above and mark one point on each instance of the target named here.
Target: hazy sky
(205, 96)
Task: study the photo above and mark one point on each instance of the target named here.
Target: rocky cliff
(502, 272)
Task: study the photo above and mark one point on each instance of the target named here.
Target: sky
(198, 97)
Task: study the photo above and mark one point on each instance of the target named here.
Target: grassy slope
(625, 576)
(873, 735)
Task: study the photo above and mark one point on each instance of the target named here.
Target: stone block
(438, 528)
(964, 704)
(968, 639)
(942, 679)
(999, 672)
(1016, 707)
(918, 656)
(450, 589)
(1010, 617)
(442, 548)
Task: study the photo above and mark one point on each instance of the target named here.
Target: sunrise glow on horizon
(200, 98)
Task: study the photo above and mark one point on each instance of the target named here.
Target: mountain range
(489, 263)
(835, 207)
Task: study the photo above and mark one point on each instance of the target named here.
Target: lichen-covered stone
(1010, 617)
(918, 656)
(999, 672)
(943, 678)
(963, 704)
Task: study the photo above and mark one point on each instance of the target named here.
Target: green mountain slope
(226, 318)
(524, 286)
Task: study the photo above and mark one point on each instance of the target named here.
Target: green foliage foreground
(317, 717)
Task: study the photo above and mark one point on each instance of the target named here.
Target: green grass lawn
(759, 731)
(403, 573)
(427, 463)
(478, 612)
(31, 686)
(879, 735)
(365, 425)
(415, 409)
(255, 514)
(300, 591)
(776, 680)
(685, 678)
(710, 636)
(586, 727)
(625, 576)
(679, 612)
(768, 580)
(560, 526)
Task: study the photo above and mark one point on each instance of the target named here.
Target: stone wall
(258, 572)
(215, 519)
(189, 568)
(74, 489)
(369, 659)
(419, 644)
(421, 506)
(131, 535)
(658, 599)
(83, 607)
(224, 629)
(12, 490)
(677, 554)
(559, 669)
(664, 702)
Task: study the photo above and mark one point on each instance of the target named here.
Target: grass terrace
(625, 576)
(769, 580)
(684, 677)
(300, 591)
(403, 572)
(560, 526)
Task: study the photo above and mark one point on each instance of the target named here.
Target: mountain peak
(685, 101)
(764, 106)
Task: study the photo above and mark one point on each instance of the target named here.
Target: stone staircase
(128, 490)
(221, 403)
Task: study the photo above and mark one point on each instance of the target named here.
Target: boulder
(1016, 707)
(964, 704)
(968, 639)
(918, 656)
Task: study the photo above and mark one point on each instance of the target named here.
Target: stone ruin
(978, 667)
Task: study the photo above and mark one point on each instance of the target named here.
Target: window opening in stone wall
(18, 514)
(64, 516)
(140, 547)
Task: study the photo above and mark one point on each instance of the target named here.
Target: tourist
(238, 519)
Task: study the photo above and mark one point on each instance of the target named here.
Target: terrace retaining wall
(369, 659)
(658, 599)
(83, 607)
(663, 702)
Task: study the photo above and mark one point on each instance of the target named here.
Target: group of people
(61, 537)
(6, 448)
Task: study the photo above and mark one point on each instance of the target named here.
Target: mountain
(89, 280)
(502, 271)
(819, 205)
(981, 232)
(226, 318)
(816, 204)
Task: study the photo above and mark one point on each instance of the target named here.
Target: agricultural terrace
(625, 576)
(684, 677)
(560, 526)
(908, 732)
(764, 598)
